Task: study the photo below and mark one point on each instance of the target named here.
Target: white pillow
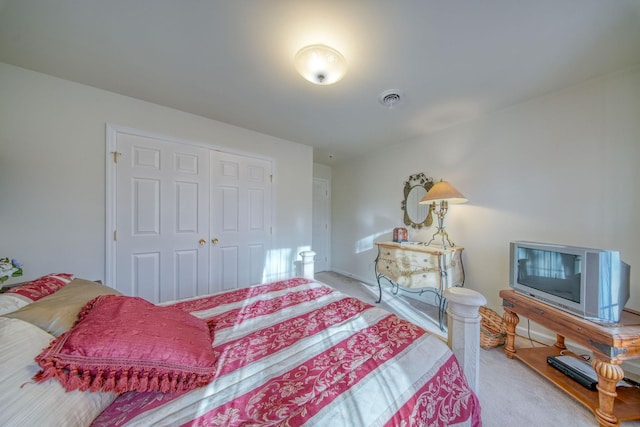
(12, 302)
(26, 403)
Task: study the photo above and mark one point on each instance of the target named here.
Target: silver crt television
(590, 283)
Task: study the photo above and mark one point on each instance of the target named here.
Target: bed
(290, 353)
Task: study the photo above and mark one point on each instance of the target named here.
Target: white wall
(562, 168)
(52, 170)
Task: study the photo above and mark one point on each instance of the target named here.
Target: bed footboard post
(464, 330)
(307, 263)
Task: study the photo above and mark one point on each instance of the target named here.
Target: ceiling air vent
(390, 98)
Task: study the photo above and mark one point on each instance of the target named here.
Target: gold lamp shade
(443, 191)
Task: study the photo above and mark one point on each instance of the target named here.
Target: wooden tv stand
(611, 344)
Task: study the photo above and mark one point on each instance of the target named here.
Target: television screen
(550, 271)
(591, 283)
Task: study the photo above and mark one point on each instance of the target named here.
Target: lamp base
(442, 234)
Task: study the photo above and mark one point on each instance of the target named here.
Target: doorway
(321, 223)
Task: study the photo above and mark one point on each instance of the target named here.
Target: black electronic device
(576, 369)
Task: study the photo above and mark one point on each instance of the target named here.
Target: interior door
(240, 219)
(320, 224)
(162, 218)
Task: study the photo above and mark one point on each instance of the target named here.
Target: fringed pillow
(125, 344)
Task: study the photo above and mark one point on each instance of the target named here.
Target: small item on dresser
(400, 234)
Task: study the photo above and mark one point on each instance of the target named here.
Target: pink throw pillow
(125, 344)
(42, 286)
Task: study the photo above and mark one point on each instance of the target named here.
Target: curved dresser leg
(442, 307)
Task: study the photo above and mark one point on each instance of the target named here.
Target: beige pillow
(58, 312)
(25, 403)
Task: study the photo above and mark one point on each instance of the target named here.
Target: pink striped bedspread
(297, 352)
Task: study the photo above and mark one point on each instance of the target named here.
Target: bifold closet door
(162, 218)
(240, 220)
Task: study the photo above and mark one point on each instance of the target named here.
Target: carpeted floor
(511, 394)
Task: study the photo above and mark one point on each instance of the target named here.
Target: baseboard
(354, 276)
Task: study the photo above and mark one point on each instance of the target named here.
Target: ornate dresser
(417, 267)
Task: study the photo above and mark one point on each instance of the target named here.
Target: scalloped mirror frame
(416, 180)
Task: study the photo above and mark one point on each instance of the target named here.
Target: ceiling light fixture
(320, 64)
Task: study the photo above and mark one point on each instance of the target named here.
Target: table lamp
(439, 196)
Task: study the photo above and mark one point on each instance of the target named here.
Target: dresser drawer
(420, 267)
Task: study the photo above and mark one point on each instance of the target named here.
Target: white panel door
(320, 224)
(162, 218)
(240, 219)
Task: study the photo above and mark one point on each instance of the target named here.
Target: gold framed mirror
(415, 214)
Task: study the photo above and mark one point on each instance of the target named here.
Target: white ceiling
(232, 61)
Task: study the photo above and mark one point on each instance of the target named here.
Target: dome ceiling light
(320, 64)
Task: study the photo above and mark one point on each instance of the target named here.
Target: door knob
(214, 241)
(202, 242)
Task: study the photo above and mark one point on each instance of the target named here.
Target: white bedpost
(463, 324)
(307, 263)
